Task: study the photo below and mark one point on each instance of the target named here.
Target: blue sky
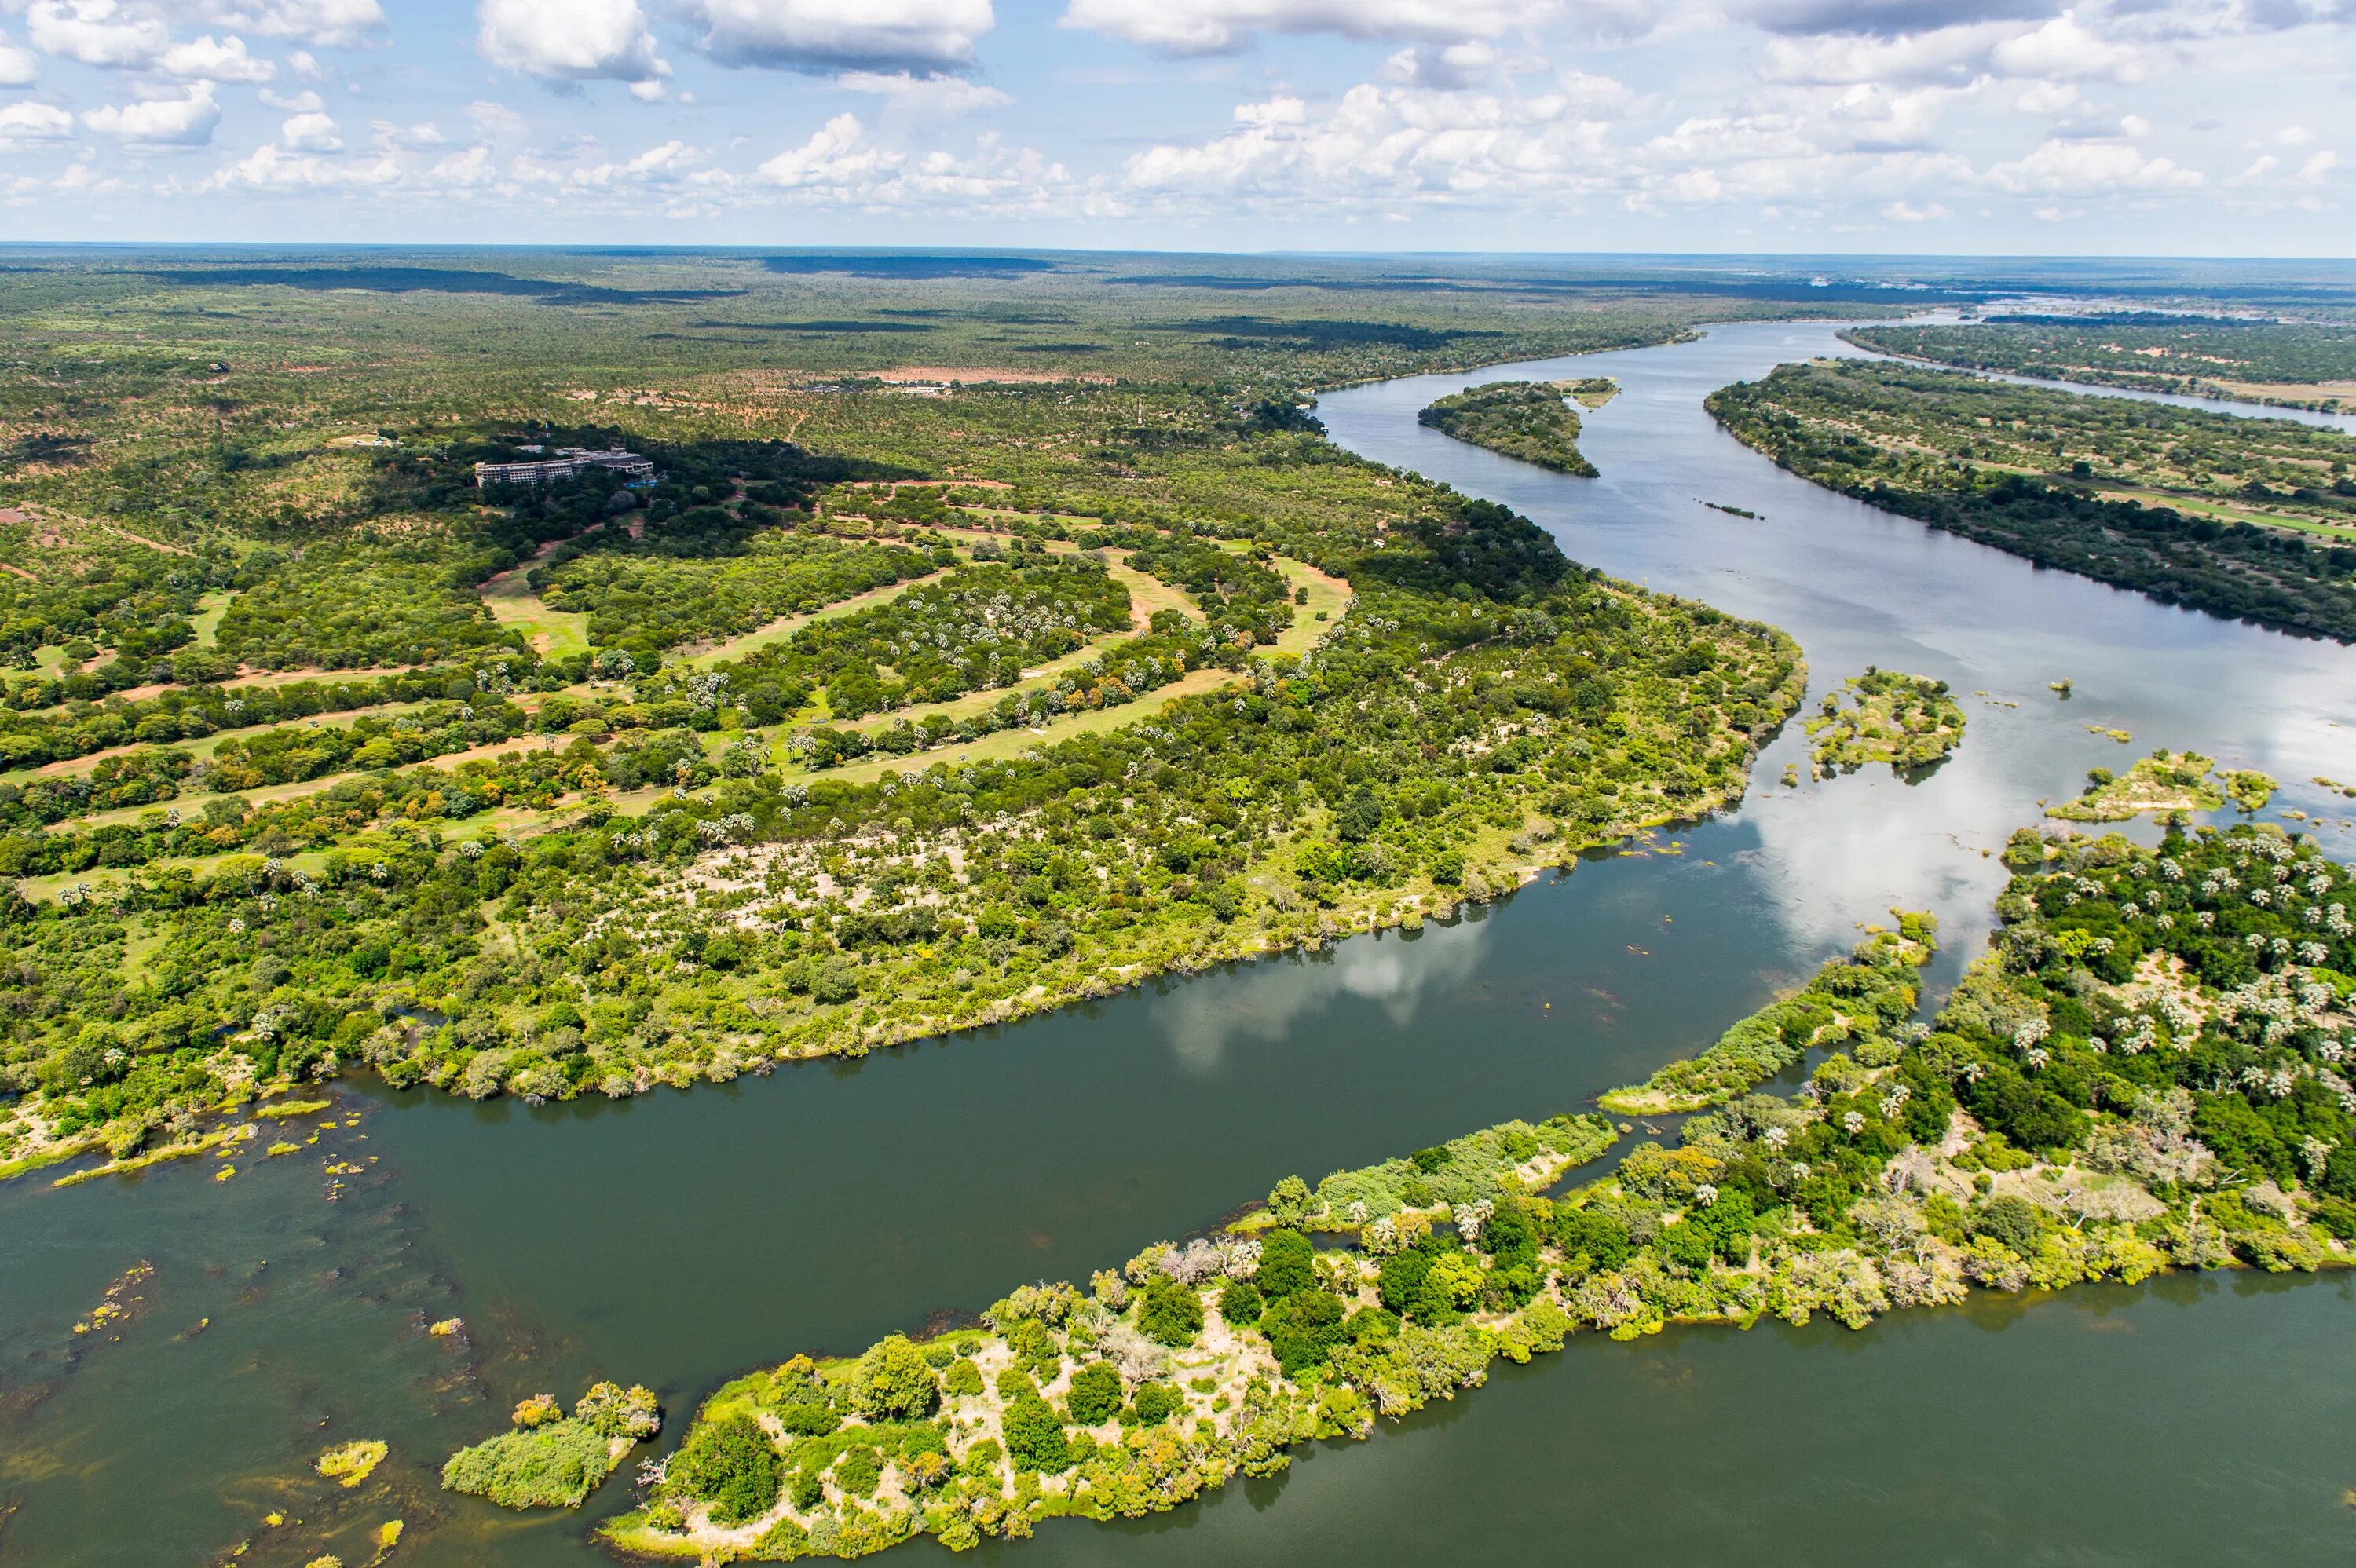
(2188, 127)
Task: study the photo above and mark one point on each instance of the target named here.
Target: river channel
(679, 1238)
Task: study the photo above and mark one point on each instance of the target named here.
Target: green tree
(893, 1382)
(1098, 1393)
(1171, 1314)
(1286, 1261)
(1034, 1435)
(732, 1464)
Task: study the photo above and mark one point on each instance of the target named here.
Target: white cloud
(841, 166)
(95, 32)
(1907, 212)
(2047, 97)
(304, 102)
(28, 122)
(887, 35)
(275, 168)
(388, 137)
(2318, 165)
(187, 120)
(320, 23)
(935, 97)
(2090, 168)
(497, 121)
(1212, 26)
(570, 40)
(1394, 143)
(310, 133)
(19, 67)
(1951, 55)
(214, 60)
(2063, 50)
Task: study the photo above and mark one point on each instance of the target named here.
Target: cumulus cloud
(841, 166)
(1393, 143)
(571, 40)
(304, 102)
(214, 60)
(1214, 26)
(923, 37)
(187, 120)
(310, 133)
(2060, 167)
(320, 23)
(273, 167)
(2064, 51)
(95, 32)
(19, 67)
(30, 122)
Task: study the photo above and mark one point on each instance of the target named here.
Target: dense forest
(1531, 421)
(2145, 495)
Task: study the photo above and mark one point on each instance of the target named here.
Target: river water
(682, 1237)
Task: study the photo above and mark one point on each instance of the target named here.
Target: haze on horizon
(2169, 127)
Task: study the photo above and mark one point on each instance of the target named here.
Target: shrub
(1286, 1261)
(1157, 1403)
(964, 1378)
(1096, 1395)
(732, 1464)
(1241, 1303)
(893, 1382)
(1034, 1435)
(1173, 1313)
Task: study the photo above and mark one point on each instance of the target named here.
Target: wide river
(682, 1237)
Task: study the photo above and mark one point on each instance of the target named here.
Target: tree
(1034, 1435)
(893, 1382)
(1304, 1329)
(964, 1378)
(732, 1464)
(1286, 1265)
(1173, 1313)
(1098, 1393)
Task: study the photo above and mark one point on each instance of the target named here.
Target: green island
(2143, 1073)
(2252, 520)
(2170, 784)
(1907, 721)
(2309, 365)
(863, 717)
(550, 1459)
(1530, 421)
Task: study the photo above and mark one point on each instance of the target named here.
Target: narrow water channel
(682, 1237)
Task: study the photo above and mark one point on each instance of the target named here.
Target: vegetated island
(2251, 519)
(1907, 721)
(550, 1459)
(2143, 1073)
(2169, 784)
(2308, 365)
(1530, 421)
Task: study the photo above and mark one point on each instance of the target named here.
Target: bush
(893, 1382)
(1173, 1313)
(1034, 1435)
(964, 1378)
(732, 1464)
(1286, 1261)
(1098, 1393)
(1304, 1329)
(1157, 1403)
(1240, 1302)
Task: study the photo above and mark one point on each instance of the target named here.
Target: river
(679, 1238)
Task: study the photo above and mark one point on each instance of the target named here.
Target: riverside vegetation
(1907, 721)
(1531, 421)
(2253, 519)
(2298, 363)
(947, 710)
(2144, 1071)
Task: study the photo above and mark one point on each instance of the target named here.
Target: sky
(2019, 127)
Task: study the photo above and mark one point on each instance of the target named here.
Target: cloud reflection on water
(1263, 1002)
